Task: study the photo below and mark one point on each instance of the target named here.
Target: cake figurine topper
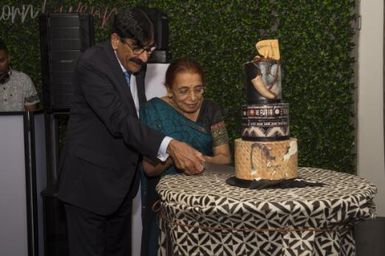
(263, 74)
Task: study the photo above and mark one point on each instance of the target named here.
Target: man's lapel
(140, 83)
(118, 77)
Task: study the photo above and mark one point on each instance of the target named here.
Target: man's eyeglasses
(137, 50)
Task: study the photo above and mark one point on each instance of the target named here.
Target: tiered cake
(265, 150)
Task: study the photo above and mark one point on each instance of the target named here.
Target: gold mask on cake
(268, 49)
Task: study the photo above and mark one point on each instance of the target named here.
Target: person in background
(105, 140)
(17, 92)
(186, 115)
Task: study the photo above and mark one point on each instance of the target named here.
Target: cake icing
(265, 150)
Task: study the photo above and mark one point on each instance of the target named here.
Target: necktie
(127, 75)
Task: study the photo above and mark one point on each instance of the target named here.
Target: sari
(200, 134)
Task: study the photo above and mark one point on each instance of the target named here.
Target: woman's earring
(169, 95)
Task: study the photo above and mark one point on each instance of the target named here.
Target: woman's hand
(221, 155)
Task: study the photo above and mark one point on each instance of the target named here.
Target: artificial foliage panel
(316, 43)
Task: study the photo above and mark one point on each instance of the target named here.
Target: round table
(202, 215)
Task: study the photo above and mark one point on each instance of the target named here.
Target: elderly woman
(186, 115)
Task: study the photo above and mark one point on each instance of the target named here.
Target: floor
(370, 237)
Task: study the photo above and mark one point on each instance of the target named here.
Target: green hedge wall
(316, 43)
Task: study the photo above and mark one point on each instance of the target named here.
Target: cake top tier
(263, 74)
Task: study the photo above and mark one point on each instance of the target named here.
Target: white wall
(370, 98)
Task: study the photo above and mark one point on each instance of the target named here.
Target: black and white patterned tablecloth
(202, 215)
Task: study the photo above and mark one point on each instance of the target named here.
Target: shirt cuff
(162, 152)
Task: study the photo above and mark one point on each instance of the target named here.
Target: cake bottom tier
(270, 160)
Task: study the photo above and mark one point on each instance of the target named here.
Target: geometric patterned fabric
(202, 215)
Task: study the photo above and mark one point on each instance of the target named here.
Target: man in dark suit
(105, 140)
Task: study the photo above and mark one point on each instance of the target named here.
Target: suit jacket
(105, 139)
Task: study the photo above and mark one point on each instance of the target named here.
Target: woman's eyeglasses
(183, 92)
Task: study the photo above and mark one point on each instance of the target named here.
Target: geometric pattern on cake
(265, 121)
(270, 160)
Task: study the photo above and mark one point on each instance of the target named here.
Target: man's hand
(185, 157)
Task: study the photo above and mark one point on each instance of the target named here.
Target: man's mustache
(137, 61)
